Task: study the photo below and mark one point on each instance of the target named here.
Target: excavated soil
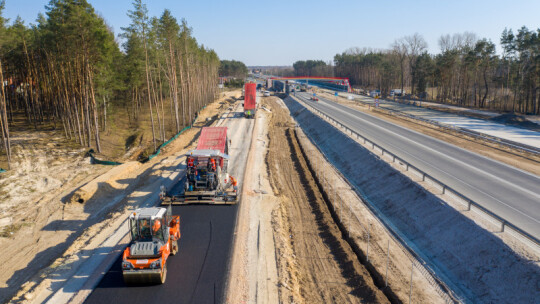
(315, 264)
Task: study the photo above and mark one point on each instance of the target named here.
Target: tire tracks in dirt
(315, 264)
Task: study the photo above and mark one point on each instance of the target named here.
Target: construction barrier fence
(167, 142)
(94, 160)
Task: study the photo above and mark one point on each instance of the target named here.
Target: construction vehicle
(207, 180)
(154, 237)
(250, 100)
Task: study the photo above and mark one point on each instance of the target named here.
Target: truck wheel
(163, 276)
(174, 247)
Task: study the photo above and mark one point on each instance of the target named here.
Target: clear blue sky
(280, 32)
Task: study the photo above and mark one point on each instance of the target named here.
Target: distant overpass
(332, 83)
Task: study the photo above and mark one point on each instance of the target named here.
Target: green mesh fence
(167, 142)
(111, 163)
(94, 160)
(173, 138)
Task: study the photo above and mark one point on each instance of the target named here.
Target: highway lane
(488, 127)
(198, 273)
(508, 192)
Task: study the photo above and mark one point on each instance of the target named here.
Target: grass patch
(10, 230)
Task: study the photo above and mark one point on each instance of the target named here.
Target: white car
(266, 93)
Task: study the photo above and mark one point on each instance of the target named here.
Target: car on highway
(266, 93)
(375, 93)
(396, 92)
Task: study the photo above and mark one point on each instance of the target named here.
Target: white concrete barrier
(377, 149)
(523, 239)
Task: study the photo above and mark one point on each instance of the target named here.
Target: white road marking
(455, 160)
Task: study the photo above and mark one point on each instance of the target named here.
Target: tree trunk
(3, 119)
(149, 91)
(94, 107)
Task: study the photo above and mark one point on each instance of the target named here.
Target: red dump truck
(250, 100)
(207, 180)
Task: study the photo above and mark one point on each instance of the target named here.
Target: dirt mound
(516, 121)
(111, 179)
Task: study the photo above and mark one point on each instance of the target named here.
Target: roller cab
(154, 237)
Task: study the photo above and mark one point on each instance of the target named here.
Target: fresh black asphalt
(197, 274)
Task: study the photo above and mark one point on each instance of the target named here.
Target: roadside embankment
(470, 259)
(395, 270)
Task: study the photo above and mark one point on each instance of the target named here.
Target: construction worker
(145, 229)
(156, 226)
(234, 183)
(212, 165)
(190, 162)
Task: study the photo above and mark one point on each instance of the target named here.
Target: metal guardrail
(417, 261)
(478, 135)
(528, 239)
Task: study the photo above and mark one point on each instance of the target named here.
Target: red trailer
(250, 100)
(213, 138)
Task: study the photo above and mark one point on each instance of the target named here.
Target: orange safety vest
(233, 181)
(190, 162)
(213, 163)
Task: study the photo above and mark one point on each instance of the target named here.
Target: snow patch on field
(477, 264)
(524, 136)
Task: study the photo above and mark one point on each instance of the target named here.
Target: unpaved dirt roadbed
(312, 261)
(321, 266)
